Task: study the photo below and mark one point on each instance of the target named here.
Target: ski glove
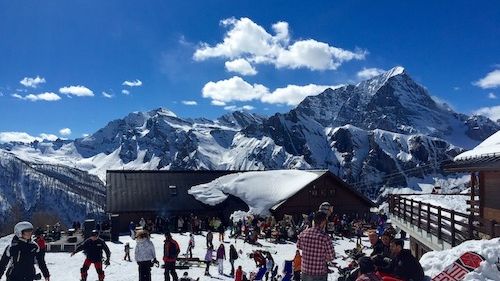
(106, 262)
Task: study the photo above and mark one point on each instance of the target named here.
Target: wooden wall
(325, 188)
(490, 185)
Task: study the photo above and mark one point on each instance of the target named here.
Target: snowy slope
(259, 190)
(63, 267)
(46, 192)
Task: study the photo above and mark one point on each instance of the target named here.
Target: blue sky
(79, 64)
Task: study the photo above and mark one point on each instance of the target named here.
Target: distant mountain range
(383, 132)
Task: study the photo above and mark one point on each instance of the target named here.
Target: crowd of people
(313, 260)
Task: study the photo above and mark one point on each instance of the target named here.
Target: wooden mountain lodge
(132, 195)
(433, 227)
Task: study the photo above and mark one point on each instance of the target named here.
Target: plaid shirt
(317, 250)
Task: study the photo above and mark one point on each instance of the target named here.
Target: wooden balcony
(446, 225)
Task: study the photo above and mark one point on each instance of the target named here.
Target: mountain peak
(162, 111)
(397, 70)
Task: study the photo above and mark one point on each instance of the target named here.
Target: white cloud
(233, 89)
(237, 89)
(242, 108)
(47, 96)
(126, 92)
(241, 66)
(218, 103)
(136, 83)
(367, 73)
(189, 102)
(106, 95)
(492, 96)
(85, 135)
(24, 137)
(32, 82)
(293, 94)
(79, 91)
(456, 88)
(250, 41)
(491, 80)
(65, 132)
(491, 112)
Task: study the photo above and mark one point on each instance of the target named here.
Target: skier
(20, 256)
(40, 241)
(93, 248)
(170, 252)
(297, 263)
(208, 259)
(269, 265)
(210, 238)
(127, 252)
(233, 255)
(221, 256)
(131, 228)
(145, 255)
(190, 246)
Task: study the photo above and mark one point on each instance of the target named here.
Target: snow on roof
(260, 190)
(490, 146)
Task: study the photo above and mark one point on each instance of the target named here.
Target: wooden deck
(446, 225)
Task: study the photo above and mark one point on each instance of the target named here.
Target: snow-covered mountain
(386, 131)
(46, 193)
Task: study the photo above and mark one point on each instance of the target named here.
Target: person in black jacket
(403, 264)
(376, 244)
(233, 255)
(21, 254)
(93, 248)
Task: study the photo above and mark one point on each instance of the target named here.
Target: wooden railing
(448, 225)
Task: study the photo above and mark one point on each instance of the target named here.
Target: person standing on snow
(93, 248)
(145, 255)
(317, 250)
(233, 255)
(20, 256)
(221, 256)
(190, 246)
(170, 252)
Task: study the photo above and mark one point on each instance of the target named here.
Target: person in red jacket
(238, 276)
(170, 252)
(93, 249)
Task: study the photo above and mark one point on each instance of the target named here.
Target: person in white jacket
(145, 255)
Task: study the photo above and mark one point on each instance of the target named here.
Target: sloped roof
(484, 157)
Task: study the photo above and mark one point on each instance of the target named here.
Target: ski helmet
(22, 226)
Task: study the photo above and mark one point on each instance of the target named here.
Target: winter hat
(325, 207)
(94, 233)
(22, 226)
(366, 265)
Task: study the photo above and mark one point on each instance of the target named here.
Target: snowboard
(456, 271)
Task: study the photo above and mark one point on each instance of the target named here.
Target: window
(173, 190)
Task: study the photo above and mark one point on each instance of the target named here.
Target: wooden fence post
(439, 222)
(452, 223)
(428, 217)
(404, 208)
(411, 211)
(419, 222)
(471, 226)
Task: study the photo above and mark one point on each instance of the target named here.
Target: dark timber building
(136, 194)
